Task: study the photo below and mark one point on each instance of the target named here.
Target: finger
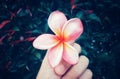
(77, 69)
(64, 66)
(77, 47)
(46, 69)
(86, 75)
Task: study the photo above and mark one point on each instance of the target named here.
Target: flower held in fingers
(59, 45)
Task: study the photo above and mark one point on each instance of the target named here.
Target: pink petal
(55, 55)
(72, 29)
(56, 21)
(45, 41)
(70, 54)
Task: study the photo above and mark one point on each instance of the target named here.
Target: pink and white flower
(60, 45)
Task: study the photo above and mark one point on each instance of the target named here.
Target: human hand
(65, 70)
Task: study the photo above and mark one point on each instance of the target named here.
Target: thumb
(46, 71)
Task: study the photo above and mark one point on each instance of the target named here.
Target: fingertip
(60, 69)
(84, 59)
(78, 47)
(89, 73)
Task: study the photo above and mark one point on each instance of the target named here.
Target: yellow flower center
(61, 39)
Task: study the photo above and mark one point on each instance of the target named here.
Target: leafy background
(21, 21)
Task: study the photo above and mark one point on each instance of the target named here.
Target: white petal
(56, 21)
(55, 55)
(45, 41)
(70, 54)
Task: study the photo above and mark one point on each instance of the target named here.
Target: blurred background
(21, 21)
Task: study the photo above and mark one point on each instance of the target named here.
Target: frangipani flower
(60, 45)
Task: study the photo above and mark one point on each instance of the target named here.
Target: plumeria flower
(60, 45)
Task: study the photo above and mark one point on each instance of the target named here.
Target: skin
(65, 70)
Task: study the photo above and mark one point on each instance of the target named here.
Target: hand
(65, 70)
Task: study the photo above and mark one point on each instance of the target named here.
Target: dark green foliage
(26, 19)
